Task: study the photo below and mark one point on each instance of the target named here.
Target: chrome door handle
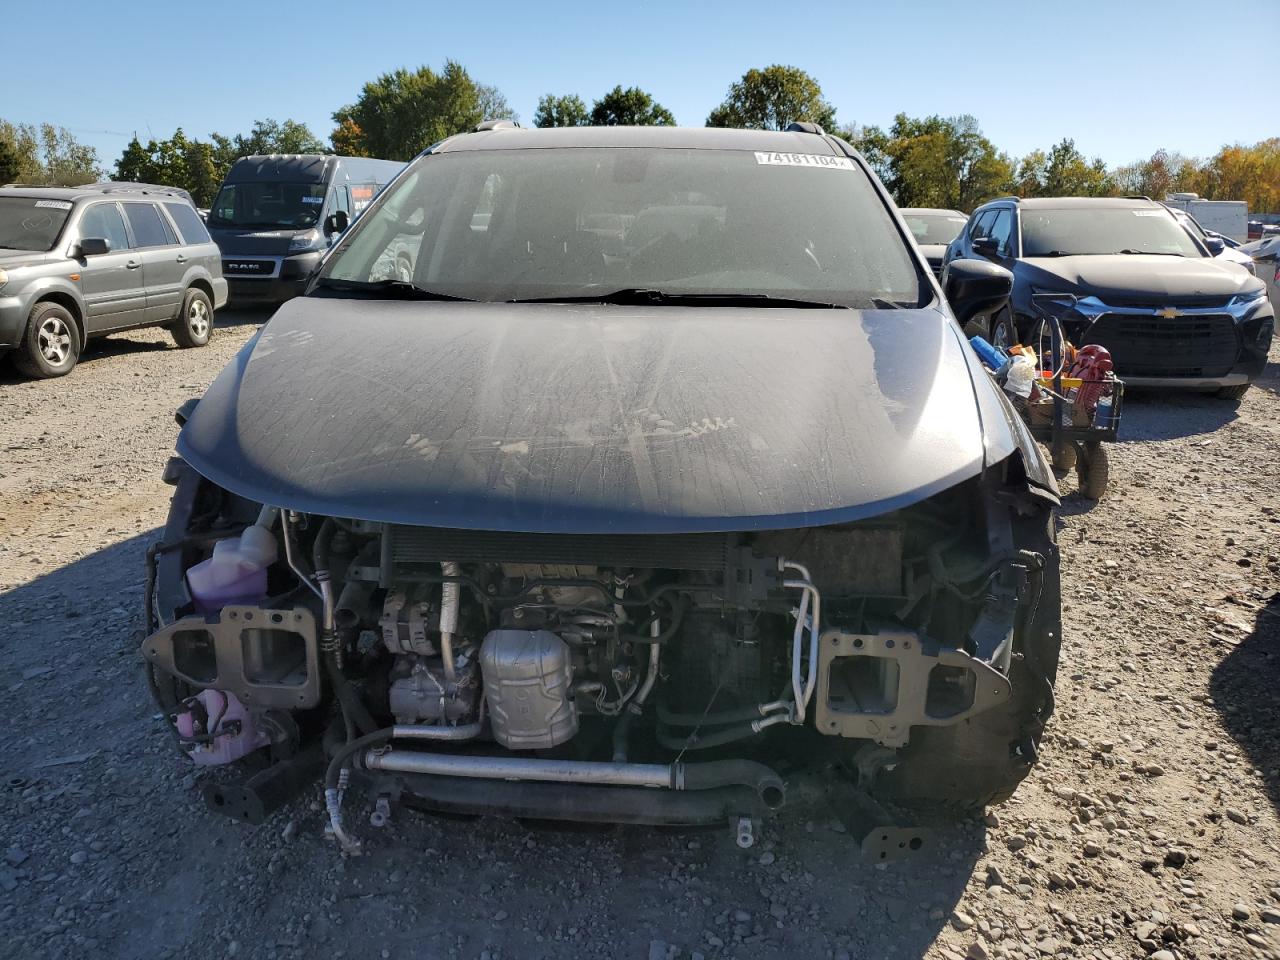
(182, 258)
(133, 265)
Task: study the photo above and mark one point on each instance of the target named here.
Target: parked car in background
(81, 262)
(1267, 266)
(275, 216)
(1258, 229)
(933, 229)
(1122, 273)
(591, 479)
(1215, 243)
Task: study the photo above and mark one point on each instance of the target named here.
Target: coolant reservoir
(236, 573)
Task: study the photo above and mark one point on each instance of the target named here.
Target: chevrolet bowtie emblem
(1169, 313)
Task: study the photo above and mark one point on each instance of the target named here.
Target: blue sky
(1121, 77)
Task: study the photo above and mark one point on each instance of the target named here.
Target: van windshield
(579, 223)
(271, 204)
(31, 223)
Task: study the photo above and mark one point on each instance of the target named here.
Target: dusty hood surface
(584, 418)
(1138, 275)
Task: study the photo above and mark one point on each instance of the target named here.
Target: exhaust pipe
(677, 776)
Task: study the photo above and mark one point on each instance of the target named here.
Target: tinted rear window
(148, 229)
(189, 223)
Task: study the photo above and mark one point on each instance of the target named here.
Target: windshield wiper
(645, 296)
(1052, 253)
(398, 289)
(1148, 253)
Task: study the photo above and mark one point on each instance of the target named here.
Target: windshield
(291, 205)
(1189, 222)
(31, 223)
(526, 224)
(939, 228)
(1103, 230)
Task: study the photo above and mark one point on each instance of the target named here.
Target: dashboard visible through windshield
(573, 223)
(268, 205)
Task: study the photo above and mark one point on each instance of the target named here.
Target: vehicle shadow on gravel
(1169, 415)
(1244, 688)
(120, 815)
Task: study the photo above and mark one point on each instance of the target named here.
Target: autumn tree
(631, 107)
(563, 111)
(771, 98)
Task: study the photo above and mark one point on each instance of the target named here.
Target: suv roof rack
(1138, 196)
(495, 125)
(804, 126)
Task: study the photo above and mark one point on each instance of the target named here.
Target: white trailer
(1227, 217)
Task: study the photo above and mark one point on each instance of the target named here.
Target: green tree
(402, 112)
(347, 138)
(1068, 174)
(565, 111)
(10, 161)
(631, 107)
(53, 156)
(269, 136)
(135, 164)
(940, 162)
(204, 176)
(771, 98)
(18, 142)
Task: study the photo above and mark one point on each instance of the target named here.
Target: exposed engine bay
(636, 678)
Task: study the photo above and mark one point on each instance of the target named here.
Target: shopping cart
(1075, 416)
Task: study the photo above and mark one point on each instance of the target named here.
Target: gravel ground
(1150, 827)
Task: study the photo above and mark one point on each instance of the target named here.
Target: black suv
(1122, 273)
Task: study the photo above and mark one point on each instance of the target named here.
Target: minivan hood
(1136, 276)
(590, 418)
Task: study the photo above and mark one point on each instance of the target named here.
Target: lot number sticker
(803, 160)
(54, 204)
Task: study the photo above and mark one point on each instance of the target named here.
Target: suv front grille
(1188, 346)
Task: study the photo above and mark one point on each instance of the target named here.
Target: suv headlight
(1053, 303)
(1249, 297)
(304, 241)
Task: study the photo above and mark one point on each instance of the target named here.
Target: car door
(163, 259)
(113, 283)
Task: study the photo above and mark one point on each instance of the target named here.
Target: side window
(1002, 232)
(148, 229)
(341, 200)
(982, 226)
(189, 225)
(104, 220)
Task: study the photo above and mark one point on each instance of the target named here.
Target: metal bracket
(381, 814)
(231, 650)
(879, 837)
(743, 832)
(895, 688)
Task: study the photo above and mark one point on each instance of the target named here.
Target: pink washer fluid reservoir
(236, 573)
(234, 734)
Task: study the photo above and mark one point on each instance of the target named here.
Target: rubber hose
(705, 741)
(731, 773)
(350, 749)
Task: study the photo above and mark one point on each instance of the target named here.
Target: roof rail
(495, 125)
(804, 126)
(1137, 196)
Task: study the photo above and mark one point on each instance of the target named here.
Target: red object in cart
(1093, 366)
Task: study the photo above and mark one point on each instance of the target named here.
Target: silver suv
(81, 262)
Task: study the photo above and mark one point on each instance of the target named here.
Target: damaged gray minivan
(664, 478)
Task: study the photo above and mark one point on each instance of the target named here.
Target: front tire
(1234, 393)
(194, 325)
(51, 344)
